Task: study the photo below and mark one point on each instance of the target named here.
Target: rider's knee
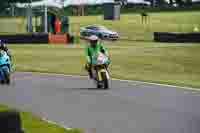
(87, 66)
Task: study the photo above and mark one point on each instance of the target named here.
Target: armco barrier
(176, 37)
(25, 38)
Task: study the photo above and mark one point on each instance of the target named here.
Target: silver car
(100, 31)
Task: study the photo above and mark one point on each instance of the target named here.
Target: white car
(100, 31)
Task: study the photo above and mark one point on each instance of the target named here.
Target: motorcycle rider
(94, 46)
(4, 48)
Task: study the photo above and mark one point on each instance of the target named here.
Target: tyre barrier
(57, 39)
(38, 38)
(10, 122)
(25, 38)
(176, 37)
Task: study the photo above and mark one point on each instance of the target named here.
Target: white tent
(192, 1)
(85, 2)
(138, 2)
(65, 3)
(48, 3)
(99, 2)
(43, 3)
(62, 3)
(195, 0)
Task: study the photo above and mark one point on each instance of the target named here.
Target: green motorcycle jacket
(90, 51)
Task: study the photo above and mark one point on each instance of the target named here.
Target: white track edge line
(129, 81)
(56, 123)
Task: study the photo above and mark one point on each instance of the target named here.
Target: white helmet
(93, 38)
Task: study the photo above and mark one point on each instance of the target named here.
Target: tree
(180, 3)
(160, 3)
(171, 2)
(10, 3)
(188, 2)
(123, 2)
(7, 2)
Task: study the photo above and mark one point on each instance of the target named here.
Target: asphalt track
(128, 107)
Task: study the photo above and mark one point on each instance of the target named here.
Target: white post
(45, 20)
(13, 10)
(29, 18)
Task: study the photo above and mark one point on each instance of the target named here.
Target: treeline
(158, 6)
(131, 8)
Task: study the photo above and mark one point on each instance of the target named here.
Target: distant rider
(94, 47)
(4, 47)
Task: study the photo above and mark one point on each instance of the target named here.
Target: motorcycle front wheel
(105, 80)
(6, 76)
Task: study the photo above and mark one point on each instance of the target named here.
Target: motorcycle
(100, 72)
(5, 66)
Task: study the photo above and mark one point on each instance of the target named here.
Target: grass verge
(33, 124)
(176, 64)
(131, 27)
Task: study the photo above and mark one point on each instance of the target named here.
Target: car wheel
(87, 34)
(114, 40)
(106, 37)
(84, 34)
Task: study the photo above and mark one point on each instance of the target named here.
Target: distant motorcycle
(5, 66)
(99, 70)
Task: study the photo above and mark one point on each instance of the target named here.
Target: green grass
(33, 124)
(154, 62)
(12, 25)
(129, 27)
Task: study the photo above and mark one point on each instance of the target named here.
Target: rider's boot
(90, 74)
